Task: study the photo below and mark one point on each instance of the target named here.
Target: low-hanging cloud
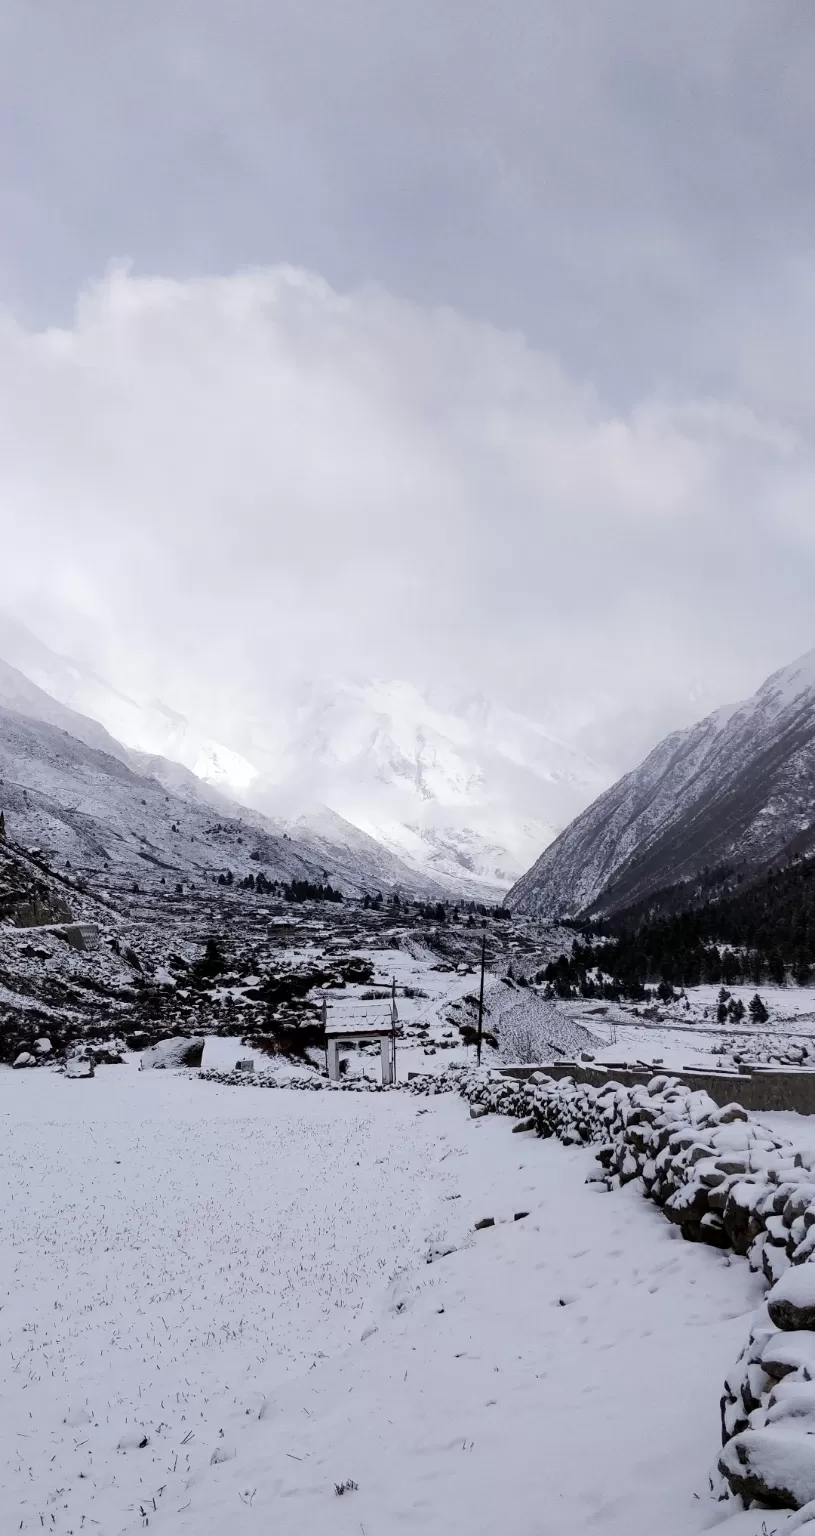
(212, 486)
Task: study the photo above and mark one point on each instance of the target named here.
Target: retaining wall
(766, 1089)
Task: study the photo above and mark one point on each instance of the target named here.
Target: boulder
(739, 1207)
(105, 1055)
(798, 1202)
(774, 1465)
(793, 1400)
(728, 1113)
(688, 1205)
(25, 1059)
(178, 1052)
(79, 1066)
(806, 1248)
(787, 1352)
(775, 1262)
(791, 1302)
(711, 1230)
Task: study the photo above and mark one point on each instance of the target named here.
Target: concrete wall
(767, 1089)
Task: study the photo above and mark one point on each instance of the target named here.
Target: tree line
(762, 932)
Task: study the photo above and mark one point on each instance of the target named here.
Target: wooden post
(481, 1000)
(325, 1026)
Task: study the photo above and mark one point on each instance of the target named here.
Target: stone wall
(725, 1180)
(765, 1089)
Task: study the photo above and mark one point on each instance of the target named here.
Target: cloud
(211, 486)
(637, 198)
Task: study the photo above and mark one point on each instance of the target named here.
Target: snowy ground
(689, 1036)
(241, 1278)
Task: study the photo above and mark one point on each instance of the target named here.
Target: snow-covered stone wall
(725, 1180)
(307, 1083)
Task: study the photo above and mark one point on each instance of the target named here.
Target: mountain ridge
(90, 802)
(738, 788)
(461, 791)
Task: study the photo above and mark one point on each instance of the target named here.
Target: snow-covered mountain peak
(461, 788)
(144, 724)
(734, 792)
(789, 683)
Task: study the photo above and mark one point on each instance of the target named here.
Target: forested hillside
(763, 931)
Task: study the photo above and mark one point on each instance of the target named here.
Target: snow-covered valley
(240, 1280)
(325, 1307)
(219, 1303)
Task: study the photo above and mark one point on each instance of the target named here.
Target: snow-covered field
(240, 1278)
(686, 1033)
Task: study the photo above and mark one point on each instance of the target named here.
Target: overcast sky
(467, 342)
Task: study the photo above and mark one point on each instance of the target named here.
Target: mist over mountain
(458, 788)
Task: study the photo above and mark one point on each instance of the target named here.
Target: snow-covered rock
(180, 1052)
(787, 1352)
(25, 1059)
(775, 1466)
(791, 1303)
(80, 1066)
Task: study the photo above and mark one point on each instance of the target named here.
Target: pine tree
(212, 961)
(801, 971)
(2, 827)
(776, 968)
(758, 1012)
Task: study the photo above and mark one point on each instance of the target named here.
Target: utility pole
(393, 1027)
(481, 999)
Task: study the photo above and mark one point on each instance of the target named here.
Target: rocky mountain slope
(463, 791)
(144, 724)
(735, 791)
(72, 790)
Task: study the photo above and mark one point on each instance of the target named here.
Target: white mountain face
(457, 787)
(67, 788)
(462, 791)
(144, 724)
(738, 789)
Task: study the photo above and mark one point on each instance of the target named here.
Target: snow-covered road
(239, 1276)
